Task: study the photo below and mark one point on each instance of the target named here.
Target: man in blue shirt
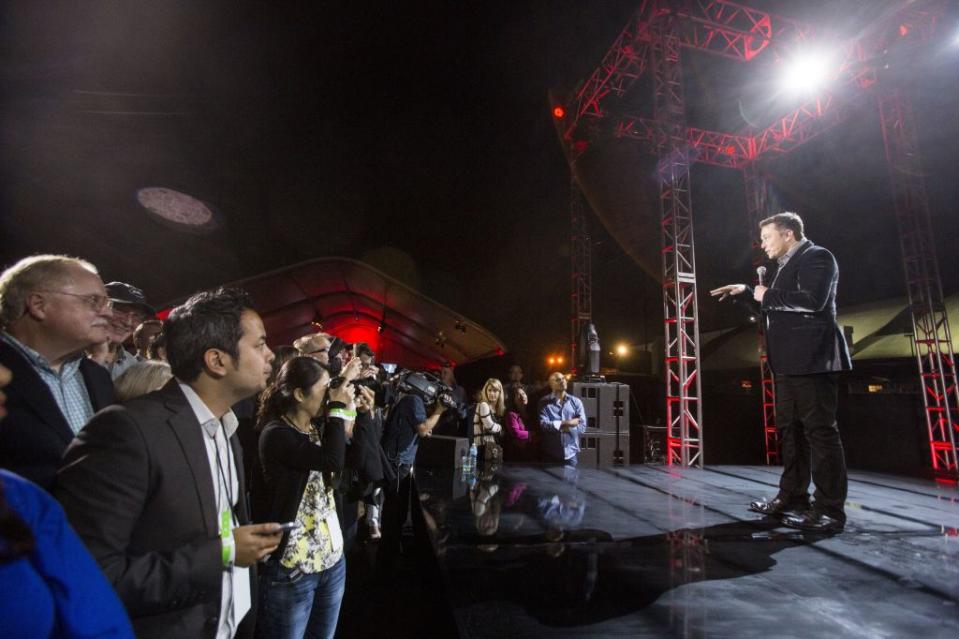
(562, 413)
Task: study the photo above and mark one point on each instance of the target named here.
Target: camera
(369, 382)
(426, 386)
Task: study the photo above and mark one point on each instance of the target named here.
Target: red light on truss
(559, 112)
(730, 150)
(903, 30)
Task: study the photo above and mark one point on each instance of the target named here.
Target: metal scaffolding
(930, 326)
(652, 41)
(757, 209)
(580, 255)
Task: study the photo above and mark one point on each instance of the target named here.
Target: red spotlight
(903, 30)
(730, 150)
(559, 112)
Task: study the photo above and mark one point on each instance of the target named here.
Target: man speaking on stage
(806, 351)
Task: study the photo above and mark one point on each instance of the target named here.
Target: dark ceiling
(415, 137)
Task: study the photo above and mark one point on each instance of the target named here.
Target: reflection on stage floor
(651, 551)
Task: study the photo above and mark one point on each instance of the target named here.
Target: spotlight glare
(559, 112)
(622, 350)
(807, 72)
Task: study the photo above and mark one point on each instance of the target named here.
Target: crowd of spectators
(195, 482)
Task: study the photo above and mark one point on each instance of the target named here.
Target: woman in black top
(301, 586)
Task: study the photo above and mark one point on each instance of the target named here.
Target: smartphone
(290, 525)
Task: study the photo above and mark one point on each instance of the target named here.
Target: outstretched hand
(725, 291)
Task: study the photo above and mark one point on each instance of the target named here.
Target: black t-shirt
(400, 438)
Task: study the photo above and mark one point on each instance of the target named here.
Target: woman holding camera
(302, 583)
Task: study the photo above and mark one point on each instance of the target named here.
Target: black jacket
(366, 462)
(136, 486)
(35, 434)
(799, 312)
(286, 458)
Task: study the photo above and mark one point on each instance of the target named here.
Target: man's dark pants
(806, 420)
(396, 508)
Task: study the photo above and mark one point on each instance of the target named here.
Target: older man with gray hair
(52, 307)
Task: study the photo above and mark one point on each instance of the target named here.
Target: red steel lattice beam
(931, 335)
(656, 32)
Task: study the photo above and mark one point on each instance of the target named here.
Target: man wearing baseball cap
(130, 308)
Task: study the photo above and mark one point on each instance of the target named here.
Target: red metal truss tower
(757, 209)
(931, 334)
(580, 253)
(652, 42)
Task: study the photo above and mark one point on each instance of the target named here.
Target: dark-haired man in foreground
(806, 352)
(155, 487)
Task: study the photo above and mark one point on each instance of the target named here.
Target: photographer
(407, 423)
(365, 467)
(454, 421)
(303, 581)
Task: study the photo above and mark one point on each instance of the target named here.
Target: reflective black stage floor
(647, 551)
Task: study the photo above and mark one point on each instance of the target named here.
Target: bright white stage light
(807, 72)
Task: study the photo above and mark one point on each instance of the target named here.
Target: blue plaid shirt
(67, 386)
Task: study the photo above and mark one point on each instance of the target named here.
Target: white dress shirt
(235, 591)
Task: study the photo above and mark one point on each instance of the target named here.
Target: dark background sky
(417, 137)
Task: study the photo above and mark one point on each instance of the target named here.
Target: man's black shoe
(812, 521)
(778, 506)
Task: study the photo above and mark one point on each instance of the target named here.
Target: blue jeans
(295, 605)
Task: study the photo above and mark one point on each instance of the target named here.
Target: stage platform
(651, 551)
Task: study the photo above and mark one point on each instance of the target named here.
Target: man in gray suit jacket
(806, 352)
(155, 487)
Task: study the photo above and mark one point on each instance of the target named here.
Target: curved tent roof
(359, 303)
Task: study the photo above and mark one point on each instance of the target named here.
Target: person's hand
(352, 369)
(365, 400)
(725, 291)
(439, 409)
(759, 292)
(342, 393)
(255, 542)
(571, 423)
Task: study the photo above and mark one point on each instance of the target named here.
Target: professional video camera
(426, 386)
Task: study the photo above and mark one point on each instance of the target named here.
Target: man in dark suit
(52, 307)
(806, 351)
(155, 488)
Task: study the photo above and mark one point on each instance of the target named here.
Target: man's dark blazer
(137, 488)
(35, 433)
(799, 310)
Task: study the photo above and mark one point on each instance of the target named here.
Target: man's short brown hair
(786, 220)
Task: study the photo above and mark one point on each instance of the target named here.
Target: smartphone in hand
(290, 525)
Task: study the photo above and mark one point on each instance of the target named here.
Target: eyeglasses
(130, 312)
(322, 350)
(98, 303)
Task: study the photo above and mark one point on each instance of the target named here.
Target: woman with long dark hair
(517, 445)
(301, 586)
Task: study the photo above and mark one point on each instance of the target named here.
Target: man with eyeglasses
(52, 307)
(130, 308)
